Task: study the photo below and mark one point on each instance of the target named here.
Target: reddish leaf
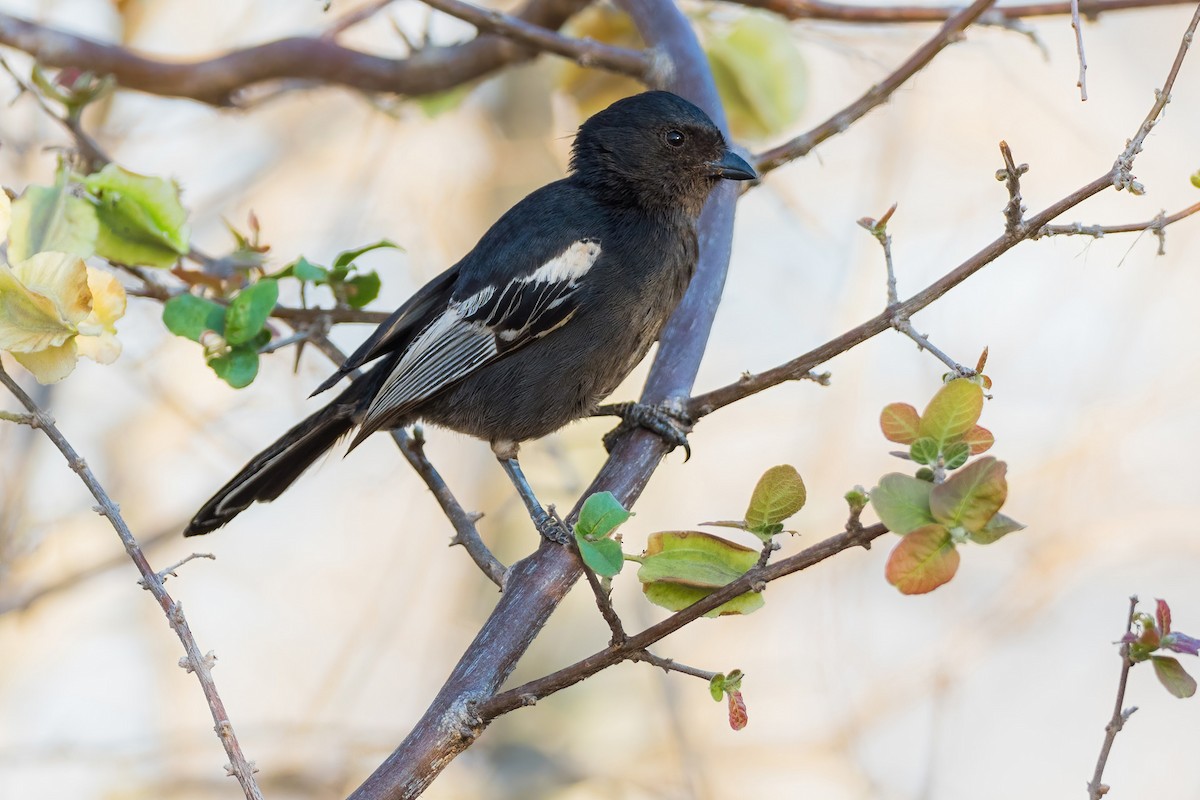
(980, 440)
(923, 561)
(1173, 676)
(972, 497)
(900, 423)
(953, 411)
(1162, 614)
(737, 711)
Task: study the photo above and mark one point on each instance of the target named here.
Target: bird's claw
(670, 423)
(554, 529)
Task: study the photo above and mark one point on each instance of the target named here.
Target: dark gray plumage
(548, 313)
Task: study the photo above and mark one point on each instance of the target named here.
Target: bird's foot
(667, 420)
(552, 528)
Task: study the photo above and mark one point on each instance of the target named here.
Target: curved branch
(217, 80)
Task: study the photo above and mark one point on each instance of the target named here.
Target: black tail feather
(275, 469)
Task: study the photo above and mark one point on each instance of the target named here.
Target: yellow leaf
(108, 301)
(760, 74)
(63, 278)
(5, 214)
(29, 321)
(52, 364)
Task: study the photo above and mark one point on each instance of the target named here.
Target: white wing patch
(474, 330)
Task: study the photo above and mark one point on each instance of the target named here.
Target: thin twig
(1123, 175)
(585, 52)
(352, 18)
(1096, 787)
(239, 766)
(19, 419)
(1010, 174)
(904, 325)
(603, 602)
(1158, 225)
(671, 665)
(171, 570)
(1075, 23)
(951, 31)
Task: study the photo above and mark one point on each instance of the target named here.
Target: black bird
(558, 302)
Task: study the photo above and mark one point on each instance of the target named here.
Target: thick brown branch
(950, 32)
(217, 80)
(844, 12)
(633, 646)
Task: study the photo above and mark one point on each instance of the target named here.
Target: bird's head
(655, 149)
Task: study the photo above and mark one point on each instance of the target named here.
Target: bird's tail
(275, 469)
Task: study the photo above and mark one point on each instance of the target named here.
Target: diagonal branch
(194, 661)
(950, 32)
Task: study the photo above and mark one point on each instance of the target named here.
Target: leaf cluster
(1154, 634)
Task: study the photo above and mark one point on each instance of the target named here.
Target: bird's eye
(674, 138)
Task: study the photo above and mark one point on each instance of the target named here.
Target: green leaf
(925, 474)
(1196, 179)
(304, 270)
(681, 567)
(956, 455)
(346, 257)
(362, 289)
(600, 516)
(49, 218)
(189, 316)
(1173, 676)
(924, 451)
(922, 561)
(971, 497)
(238, 367)
(438, 103)
(760, 74)
(902, 502)
(604, 556)
(779, 494)
(249, 310)
(141, 218)
(676, 597)
(952, 412)
(716, 686)
(998, 526)
(900, 423)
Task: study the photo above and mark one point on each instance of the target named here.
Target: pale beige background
(337, 612)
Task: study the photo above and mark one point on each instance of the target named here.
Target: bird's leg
(668, 420)
(550, 527)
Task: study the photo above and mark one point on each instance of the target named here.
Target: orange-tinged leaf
(924, 560)
(972, 496)
(979, 439)
(737, 711)
(953, 411)
(900, 423)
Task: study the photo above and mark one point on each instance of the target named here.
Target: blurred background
(337, 612)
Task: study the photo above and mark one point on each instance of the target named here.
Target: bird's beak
(733, 167)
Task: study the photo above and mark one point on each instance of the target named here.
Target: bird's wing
(400, 327)
(481, 327)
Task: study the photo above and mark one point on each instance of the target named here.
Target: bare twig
(19, 419)
(1158, 225)
(844, 12)
(604, 603)
(1075, 23)
(671, 665)
(1096, 787)
(951, 31)
(637, 643)
(585, 52)
(218, 80)
(465, 533)
(239, 767)
(358, 15)
(171, 570)
(1122, 170)
(1010, 174)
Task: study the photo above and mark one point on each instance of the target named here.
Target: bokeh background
(337, 612)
